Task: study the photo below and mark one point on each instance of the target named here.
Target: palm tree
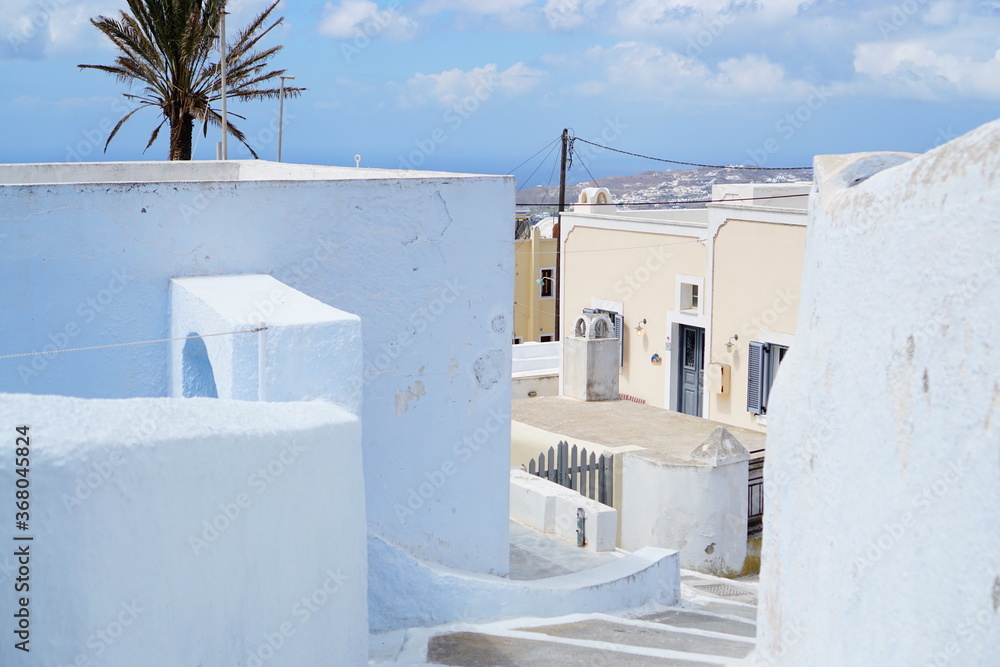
(166, 47)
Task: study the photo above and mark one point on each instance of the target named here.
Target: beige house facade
(706, 299)
(535, 288)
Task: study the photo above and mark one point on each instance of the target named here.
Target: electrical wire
(528, 180)
(687, 164)
(138, 342)
(588, 171)
(509, 173)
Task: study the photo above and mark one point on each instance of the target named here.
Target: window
(765, 358)
(518, 340)
(547, 283)
(689, 296)
(545, 338)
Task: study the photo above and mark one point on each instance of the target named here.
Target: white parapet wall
(302, 349)
(405, 592)
(882, 524)
(697, 506)
(186, 532)
(550, 508)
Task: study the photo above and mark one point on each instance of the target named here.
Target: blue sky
(481, 85)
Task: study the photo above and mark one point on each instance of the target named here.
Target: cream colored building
(534, 287)
(684, 283)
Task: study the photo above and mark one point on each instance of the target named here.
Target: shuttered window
(764, 359)
(756, 373)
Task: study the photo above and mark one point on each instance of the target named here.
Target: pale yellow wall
(757, 279)
(638, 269)
(533, 316)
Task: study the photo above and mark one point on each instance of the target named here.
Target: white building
(88, 254)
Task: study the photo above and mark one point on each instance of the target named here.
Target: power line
(676, 201)
(138, 342)
(533, 156)
(528, 180)
(588, 171)
(687, 164)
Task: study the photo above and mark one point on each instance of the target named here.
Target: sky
(483, 85)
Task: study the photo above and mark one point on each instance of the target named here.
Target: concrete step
(685, 636)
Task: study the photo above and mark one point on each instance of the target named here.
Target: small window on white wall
(547, 283)
(545, 338)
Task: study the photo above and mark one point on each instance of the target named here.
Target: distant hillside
(671, 185)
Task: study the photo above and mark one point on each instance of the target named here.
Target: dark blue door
(692, 369)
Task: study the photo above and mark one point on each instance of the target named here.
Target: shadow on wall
(199, 379)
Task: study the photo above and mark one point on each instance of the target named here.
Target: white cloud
(37, 28)
(354, 18)
(571, 14)
(453, 85)
(918, 69)
(487, 7)
(649, 71)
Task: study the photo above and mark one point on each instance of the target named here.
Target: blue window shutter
(756, 377)
(621, 339)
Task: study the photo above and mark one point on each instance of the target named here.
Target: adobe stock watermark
(373, 27)
(656, 259)
(94, 139)
(230, 511)
(968, 629)
(463, 450)
(103, 638)
(894, 531)
(788, 125)
(899, 16)
(610, 133)
(103, 470)
(712, 28)
(963, 295)
(266, 136)
(487, 83)
(418, 322)
(29, 27)
(86, 312)
(302, 611)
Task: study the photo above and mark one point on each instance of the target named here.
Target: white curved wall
(881, 542)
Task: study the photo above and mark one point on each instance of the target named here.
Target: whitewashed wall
(194, 532)
(881, 542)
(424, 259)
(696, 506)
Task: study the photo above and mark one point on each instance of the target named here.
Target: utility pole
(281, 112)
(558, 231)
(222, 65)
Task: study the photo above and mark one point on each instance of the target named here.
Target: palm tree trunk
(181, 131)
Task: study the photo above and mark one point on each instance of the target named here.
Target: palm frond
(166, 48)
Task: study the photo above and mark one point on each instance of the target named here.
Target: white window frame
(551, 338)
(683, 280)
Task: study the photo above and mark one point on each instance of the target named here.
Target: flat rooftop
(622, 423)
(188, 171)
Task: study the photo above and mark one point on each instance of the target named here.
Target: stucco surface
(426, 261)
(881, 544)
(202, 531)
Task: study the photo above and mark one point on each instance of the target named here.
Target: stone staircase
(713, 625)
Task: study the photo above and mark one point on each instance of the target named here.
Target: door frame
(671, 389)
(679, 400)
